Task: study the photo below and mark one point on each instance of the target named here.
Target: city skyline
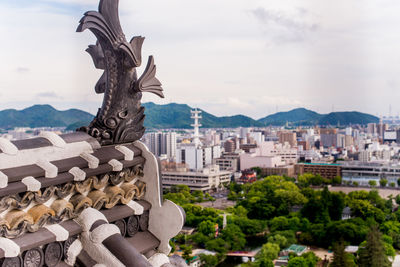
(259, 58)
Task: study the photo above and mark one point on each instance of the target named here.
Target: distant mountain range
(178, 116)
(42, 116)
(305, 117)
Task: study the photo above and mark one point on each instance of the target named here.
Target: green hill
(347, 118)
(302, 116)
(178, 116)
(42, 116)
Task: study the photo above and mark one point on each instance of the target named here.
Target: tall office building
(372, 129)
(162, 143)
(169, 145)
(328, 137)
(289, 137)
(229, 146)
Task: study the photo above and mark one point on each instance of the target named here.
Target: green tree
(198, 195)
(392, 184)
(295, 224)
(258, 170)
(287, 198)
(340, 257)
(297, 262)
(372, 183)
(364, 209)
(187, 252)
(207, 228)
(373, 254)
(240, 211)
(355, 183)
(383, 182)
(336, 206)
(208, 260)
(199, 238)
(173, 246)
(218, 245)
(304, 180)
(234, 237)
(181, 238)
(311, 258)
(281, 241)
(337, 180)
(267, 254)
(317, 180)
(316, 209)
(248, 226)
(398, 182)
(279, 223)
(397, 199)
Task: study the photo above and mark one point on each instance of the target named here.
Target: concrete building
(212, 138)
(382, 128)
(348, 140)
(243, 133)
(304, 144)
(328, 137)
(372, 129)
(258, 137)
(205, 180)
(247, 147)
(363, 172)
(227, 164)
(229, 161)
(197, 157)
(288, 154)
(287, 137)
(269, 155)
(162, 143)
(284, 170)
(328, 171)
(229, 146)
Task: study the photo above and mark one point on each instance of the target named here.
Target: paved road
(220, 203)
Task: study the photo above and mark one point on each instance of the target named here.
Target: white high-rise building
(162, 143)
(243, 133)
(257, 136)
(169, 145)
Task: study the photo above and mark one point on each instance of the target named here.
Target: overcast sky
(250, 57)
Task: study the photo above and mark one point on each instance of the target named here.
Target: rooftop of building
(319, 164)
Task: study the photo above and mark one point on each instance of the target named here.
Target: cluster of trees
(373, 183)
(284, 213)
(208, 223)
(181, 195)
(308, 179)
(382, 182)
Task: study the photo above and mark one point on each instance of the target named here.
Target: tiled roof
(46, 183)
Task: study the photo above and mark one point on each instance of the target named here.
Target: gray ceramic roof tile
(65, 165)
(18, 173)
(44, 236)
(80, 137)
(144, 241)
(32, 143)
(65, 177)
